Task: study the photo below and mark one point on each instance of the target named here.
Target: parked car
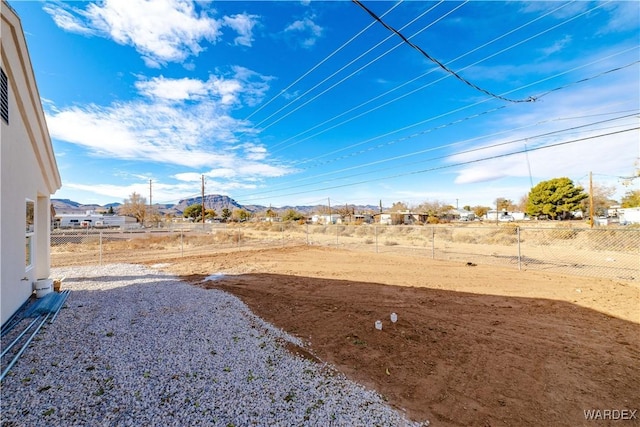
(505, 218)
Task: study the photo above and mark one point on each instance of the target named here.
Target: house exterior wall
(28, 171)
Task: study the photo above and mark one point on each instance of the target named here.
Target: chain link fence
(600, 252)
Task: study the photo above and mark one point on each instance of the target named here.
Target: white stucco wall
(28, 170)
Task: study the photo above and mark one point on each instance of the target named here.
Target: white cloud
(183, 122)
(305, 31)
(161, 31)
(569, 10)
(613, 154)
(243, 25)
(558, 46)
(172, 89)
(162, 192)
(66, 20)
(623, 16)
(242, 85)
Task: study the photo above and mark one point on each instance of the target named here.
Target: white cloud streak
(306, 31)
(606, 155)
(183, 122)
(161, 31)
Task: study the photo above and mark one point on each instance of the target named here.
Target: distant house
(628, 215)
(461, 215)
(28, 172)
(91, 219)
(326, 219)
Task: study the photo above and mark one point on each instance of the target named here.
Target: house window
(29, 233)
(4, 96)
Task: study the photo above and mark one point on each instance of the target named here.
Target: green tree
(135, 206)
(631, 199)
(193, 211)
(241, 215)
(110, 211)
(271, 213)
(292, 215)
(209, 213)
(556, 198)
(226, 214)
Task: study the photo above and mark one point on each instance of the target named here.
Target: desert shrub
(362, 231)
(614, 240)
(390, 243)
(368, 241)
(228, 237)
(443, 233)
(319, 229)
(563, 234)
(433, 220)
(466, 238)
(344, 231)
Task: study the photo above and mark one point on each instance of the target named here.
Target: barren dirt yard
(473, 345)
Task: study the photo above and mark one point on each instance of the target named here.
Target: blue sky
(292, 103)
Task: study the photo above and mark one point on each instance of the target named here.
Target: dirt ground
(473, 345)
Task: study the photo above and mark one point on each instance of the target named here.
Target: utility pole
(329, 201)
(202, 200)
(590, 200)
(150, 199)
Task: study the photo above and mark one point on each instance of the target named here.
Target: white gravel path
(137, 347)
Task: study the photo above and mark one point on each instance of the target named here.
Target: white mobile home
(28, 172)
(93, 220)
(629, 215)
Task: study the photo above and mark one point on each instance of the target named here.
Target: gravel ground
(135, 346)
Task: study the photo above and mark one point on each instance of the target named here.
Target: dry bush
(562, 233)
(231, 236)
(443, 233)
(363, 230)
(627, 240)
(319, 229)
(466, 238)
(390, 243)
(345, 231)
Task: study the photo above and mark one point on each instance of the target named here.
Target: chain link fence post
(375, 231)
(433, 243)
(519, 252)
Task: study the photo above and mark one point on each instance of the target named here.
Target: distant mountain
(211, 201)
(216, 202)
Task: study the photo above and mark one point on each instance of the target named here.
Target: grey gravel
(134, 346)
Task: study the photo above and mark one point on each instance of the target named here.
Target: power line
(465, 107)
(455, 164)
(319, 64)
(501, 144)
(423, 75)
(434, 60)
(352, 74)
(462, 69)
